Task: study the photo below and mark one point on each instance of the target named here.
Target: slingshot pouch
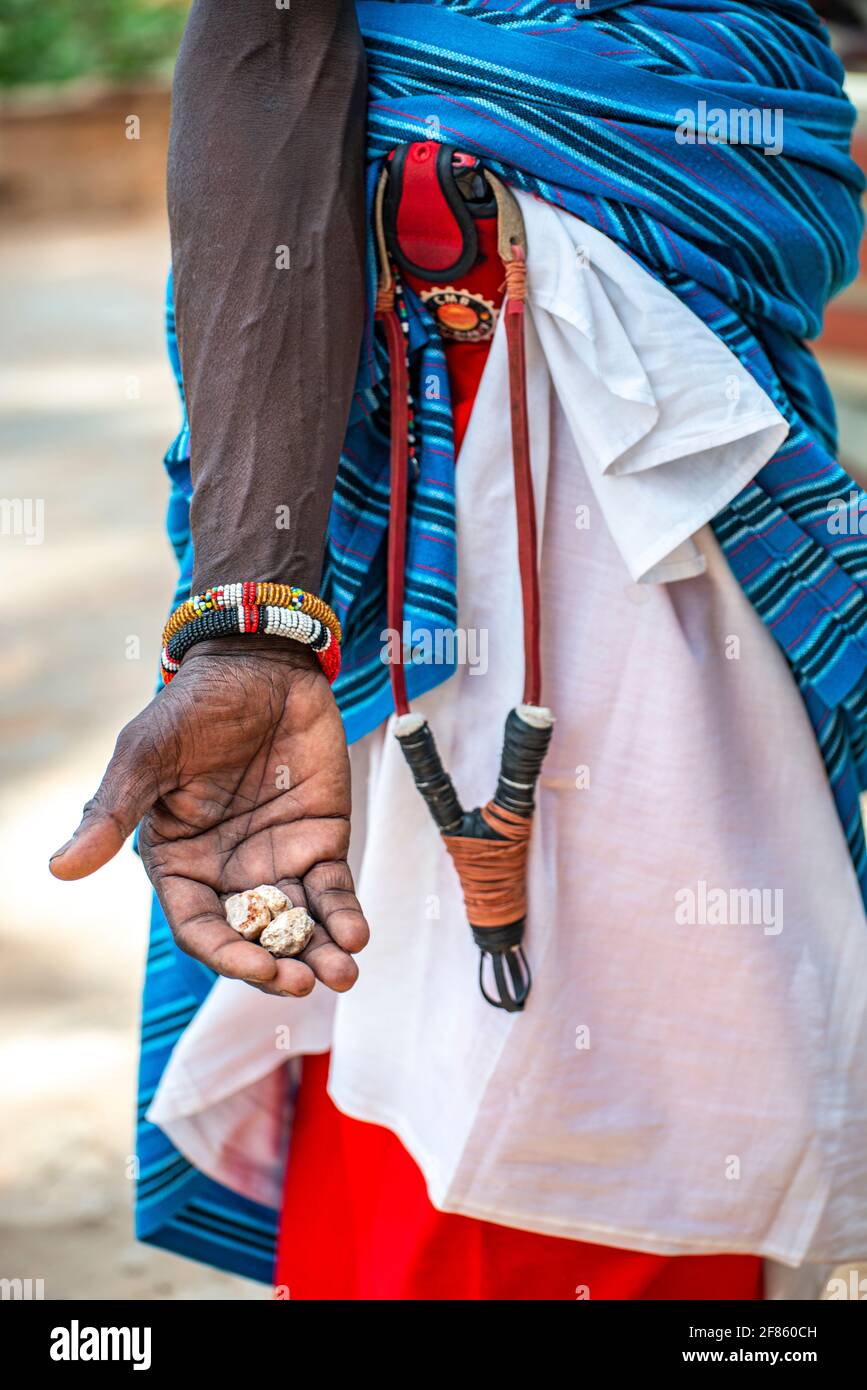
(429, 227)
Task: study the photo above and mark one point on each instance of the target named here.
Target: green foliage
(57, 40)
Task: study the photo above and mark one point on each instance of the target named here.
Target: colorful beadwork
(403, 316)
(249, 594)
(227, 609)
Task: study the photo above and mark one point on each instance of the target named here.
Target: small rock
(288, 934)
(277, 901)
(248, 914)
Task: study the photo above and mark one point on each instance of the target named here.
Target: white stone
(248, 914)
(289, 933)
(277, 901)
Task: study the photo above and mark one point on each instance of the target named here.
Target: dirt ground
(87, 407)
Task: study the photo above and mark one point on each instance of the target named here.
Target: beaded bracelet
(271, 619)
(246, 595)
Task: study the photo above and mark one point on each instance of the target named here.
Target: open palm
(239, 773)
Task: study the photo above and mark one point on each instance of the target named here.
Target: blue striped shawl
(581, 106)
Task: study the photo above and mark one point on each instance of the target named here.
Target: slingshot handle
(420, 750)
(525, 742)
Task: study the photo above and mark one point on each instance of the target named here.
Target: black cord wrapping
(431, 778)
(524, 749)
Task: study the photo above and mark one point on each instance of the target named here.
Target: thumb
(127, 792)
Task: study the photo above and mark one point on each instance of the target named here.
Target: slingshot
(488, 845)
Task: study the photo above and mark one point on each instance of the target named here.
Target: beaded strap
(273, 619)
(246, 595)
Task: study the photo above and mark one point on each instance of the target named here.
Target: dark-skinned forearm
(267, 152)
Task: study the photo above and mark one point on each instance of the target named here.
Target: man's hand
(239, 773)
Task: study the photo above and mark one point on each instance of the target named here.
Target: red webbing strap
(525, 506)
(399, 470)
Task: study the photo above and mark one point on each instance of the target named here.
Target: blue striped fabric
(177, 1207)
(580, 105)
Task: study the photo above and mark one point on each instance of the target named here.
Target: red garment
(357, 1224)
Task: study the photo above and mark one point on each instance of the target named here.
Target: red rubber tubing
(525, 505)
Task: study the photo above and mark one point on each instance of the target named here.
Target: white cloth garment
(675, 1084)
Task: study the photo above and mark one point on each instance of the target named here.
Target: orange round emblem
(460, 314)
(461, 317)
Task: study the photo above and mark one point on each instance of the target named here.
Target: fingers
(332, 901)
(199, 926)
(329, 963)
(197, 919)
(127, 792)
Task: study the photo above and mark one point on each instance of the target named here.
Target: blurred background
(87, 408)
